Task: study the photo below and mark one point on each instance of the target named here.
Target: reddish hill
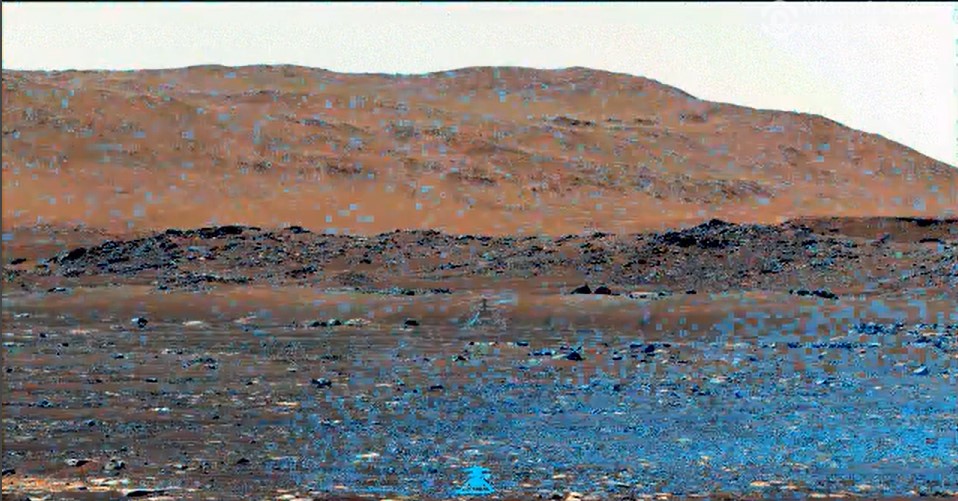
(479, 150)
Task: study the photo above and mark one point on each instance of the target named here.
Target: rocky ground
(812, 358)
(713, 257)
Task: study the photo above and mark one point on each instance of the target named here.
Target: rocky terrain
(713, 257)
(276, 282)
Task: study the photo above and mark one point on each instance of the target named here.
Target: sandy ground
(248, 389)
(219, 396)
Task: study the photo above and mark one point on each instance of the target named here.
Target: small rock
(650, 349)
(826, 294)
(921, 371)
(151, 380)
(332, 322)
(242, 461)
(58, 289)
(583, 289)
(356, 322)
(322, 382)
(411, 322)
(9, 471)
(115, 464)
(76, 463)
(437, 387)
(603, 290)
(139, 322)
(691, 291)
(574, 356)
(118, 356)
(142, 493)
(522, 343)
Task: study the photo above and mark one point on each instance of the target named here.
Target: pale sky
(885, 68)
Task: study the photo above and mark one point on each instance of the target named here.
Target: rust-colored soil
(476, 150)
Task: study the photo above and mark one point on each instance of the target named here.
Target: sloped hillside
(477, 150)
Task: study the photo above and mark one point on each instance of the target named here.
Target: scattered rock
(875, 329)
(582, 289)
(221, 231)
(772, 266)
(332, 322)
(822, 293)
(356, 322)
(142, 493)
(321, 383)
(115, 464)
(9, 471)
(646, 295)
(302, 272)
(603, 290)
(575, 356)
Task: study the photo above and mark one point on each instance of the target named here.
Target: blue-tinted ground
(232, 410)
(838, 417)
